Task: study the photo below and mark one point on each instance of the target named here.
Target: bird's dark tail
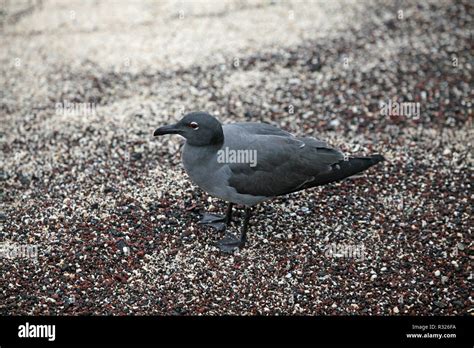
(347, 168)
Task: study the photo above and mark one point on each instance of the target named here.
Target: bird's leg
(218, 222)
(228, 214)
(229, 243)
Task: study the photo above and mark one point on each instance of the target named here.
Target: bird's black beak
(171, 129)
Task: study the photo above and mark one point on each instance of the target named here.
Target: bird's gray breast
(202, 165)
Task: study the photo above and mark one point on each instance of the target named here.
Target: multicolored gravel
(114, 216)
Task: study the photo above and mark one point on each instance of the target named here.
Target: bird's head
(199, 129)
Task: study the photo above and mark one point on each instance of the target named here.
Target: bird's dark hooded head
(199, 129)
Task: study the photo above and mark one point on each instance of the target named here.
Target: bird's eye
(193, 125)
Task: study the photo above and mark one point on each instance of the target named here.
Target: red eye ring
(193, 125)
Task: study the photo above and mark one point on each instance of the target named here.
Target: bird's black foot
(230, 243)
(215, 221)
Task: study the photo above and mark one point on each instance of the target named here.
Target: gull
(248, 163)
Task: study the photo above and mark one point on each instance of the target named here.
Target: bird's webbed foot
(230, 243)
(218, 222)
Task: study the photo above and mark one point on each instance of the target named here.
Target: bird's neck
(217, 139)
(209, 148)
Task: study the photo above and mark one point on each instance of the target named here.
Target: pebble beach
(111, 216)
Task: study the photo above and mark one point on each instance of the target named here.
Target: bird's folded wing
(256, 128)
(284, 164)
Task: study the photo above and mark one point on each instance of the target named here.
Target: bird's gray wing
(267, 129)
(284, 163)
(259, 129)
